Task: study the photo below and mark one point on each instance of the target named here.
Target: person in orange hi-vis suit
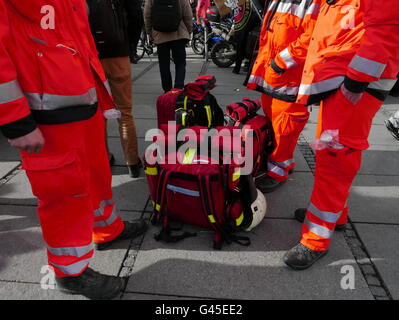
(53, 100)
(285, 35)
(352, 64)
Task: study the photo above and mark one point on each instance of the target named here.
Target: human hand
(32, 142)
(353, 97)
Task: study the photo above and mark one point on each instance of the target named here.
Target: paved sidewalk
(191, 269)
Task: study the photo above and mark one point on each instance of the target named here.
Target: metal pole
(205, 40)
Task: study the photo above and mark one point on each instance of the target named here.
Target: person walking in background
(138, 25)
(114, 39)
(169, 27)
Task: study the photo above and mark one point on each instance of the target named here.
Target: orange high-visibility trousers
(288, 120)
(336, 168)
(71, 178)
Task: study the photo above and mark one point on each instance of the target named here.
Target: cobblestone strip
(146, 69)
(204, 68)
(370, 273)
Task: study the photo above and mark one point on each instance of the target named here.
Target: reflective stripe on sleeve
(367, 66)
(287, 58)
(382, 84)
(298, 10)
(10, 91)
(71, 251)
(47, 101)
(288, 91)
(321, 86)
(276, 170)
(319, 230)
(324, 215)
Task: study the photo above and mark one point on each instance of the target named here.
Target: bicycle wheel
(198, 44)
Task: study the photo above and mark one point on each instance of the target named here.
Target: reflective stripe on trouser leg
(107, 224)
(335, 171)
(288, 120)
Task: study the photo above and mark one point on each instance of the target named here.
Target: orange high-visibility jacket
(49, 68)
(284, 39)
(354, 41)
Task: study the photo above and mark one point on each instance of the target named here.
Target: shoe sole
(106, 245)
(270, 190)
(391, 129)
(299, 268)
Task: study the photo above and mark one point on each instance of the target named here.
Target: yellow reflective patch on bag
(151, 171)
(211, 218)
(240, 219)
(189, 156)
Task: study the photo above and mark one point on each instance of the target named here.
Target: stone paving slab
(6, 167)
(382, 244)
(295, 194)
(375, 199)
(192, 268)
(23, 250)
(17, 191)
(32, 291)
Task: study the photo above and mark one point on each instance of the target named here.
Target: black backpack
(205, 113)
(166, 15)
(108, 21)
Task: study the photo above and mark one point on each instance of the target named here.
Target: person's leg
(336, 167)
(179, 58)
(60, 178)
(288, 120)
(119, 75)
(163, 50)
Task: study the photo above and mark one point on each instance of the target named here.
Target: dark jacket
(134, 24)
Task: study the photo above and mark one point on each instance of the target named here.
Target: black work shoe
(131, 231)
(92, 284)
(267, 184)
(301, 257)
(134, 170)
(300, 215)
(394, 131)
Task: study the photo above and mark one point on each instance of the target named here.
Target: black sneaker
(394, 131)
(92, 284)
(300, 215)
(131, 231)
(134, 170)
(267, 184)
(301, 257)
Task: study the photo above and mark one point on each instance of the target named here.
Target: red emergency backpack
(199, 190)
(192, 106)
(244, 115)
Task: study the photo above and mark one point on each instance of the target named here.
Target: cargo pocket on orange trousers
(55, 175)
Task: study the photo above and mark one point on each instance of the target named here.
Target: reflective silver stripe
(367, 66)
(276, 169)
(71, 251)
(183, 191)
(287, 91)
(319, 230)
(53, 102)
(10, 91)
(299, 10)
(321, 86)
(285, 164)
(100, 211)
(383, 84)
(107, 222)
(288, 59)
(107, 86)
(324, 215)
(73, 268)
